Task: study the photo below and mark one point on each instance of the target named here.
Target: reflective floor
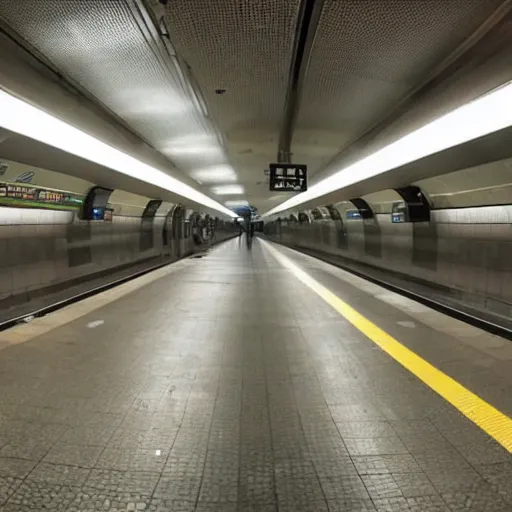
(228, 385)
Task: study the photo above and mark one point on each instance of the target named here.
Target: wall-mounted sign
(3, 168)
(31, 196)
(399, 212)
(288, 177)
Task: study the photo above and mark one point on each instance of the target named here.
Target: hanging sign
(288, 178)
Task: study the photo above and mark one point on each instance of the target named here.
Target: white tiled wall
(34, 247)
(474, 251)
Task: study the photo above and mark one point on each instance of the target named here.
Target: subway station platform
(253, 379)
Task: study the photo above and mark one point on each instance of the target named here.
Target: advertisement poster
(32, 196)
(24, 186)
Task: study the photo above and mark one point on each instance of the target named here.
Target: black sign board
(288, 177)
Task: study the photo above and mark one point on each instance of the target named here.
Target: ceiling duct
(309, 16)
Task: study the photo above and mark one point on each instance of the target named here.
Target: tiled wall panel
(42, 248)
(468, 250)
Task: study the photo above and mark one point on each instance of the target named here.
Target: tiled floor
(230, 386)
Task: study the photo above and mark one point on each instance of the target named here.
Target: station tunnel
(256, 255)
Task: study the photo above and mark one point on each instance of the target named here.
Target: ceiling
(367, 55)
(366, 58)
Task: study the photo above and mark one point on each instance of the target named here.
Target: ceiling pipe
(307, 23)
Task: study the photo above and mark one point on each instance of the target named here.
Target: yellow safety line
(488, 418)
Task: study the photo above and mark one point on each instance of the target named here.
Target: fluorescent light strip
(191, 150)
(228, 190)
(241, 202)
(25, 119)
(214, 173)
(482, 116)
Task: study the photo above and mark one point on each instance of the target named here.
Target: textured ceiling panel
(244, 47)
(102, 46)
(368, 54)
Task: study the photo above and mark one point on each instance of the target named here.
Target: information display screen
(32, 196)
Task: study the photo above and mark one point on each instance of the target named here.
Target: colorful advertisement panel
(32, 196)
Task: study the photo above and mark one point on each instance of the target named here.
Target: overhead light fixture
(191, 150)
(482, 116)
(228, 190)
(192, 145)
(235, 203)
(25, 119)
(214, 174)
(158, 103)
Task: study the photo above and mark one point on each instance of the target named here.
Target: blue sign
(244, 210)
(353, 214)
